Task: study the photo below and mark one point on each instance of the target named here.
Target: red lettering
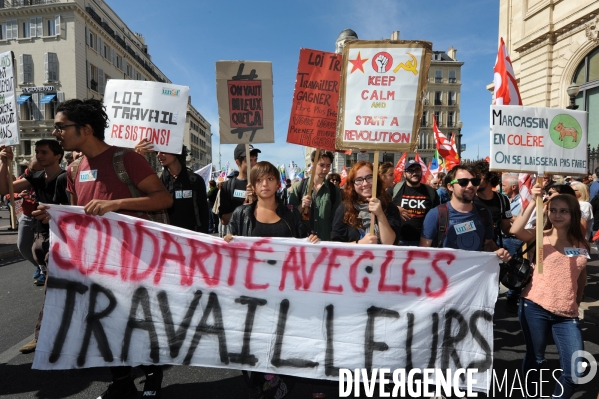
(327, 287)
(383, 287)
(319, 260)
(126, 250)
(252, 260)
(199, 253)
(107, 242)
(233, 250)
(353, 272)
(407, 271)
(176, 256)
(292, 265)
(115, 130)
(448, 257)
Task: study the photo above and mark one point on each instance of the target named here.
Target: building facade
(553, 43)
(68, 49)
(442, 101)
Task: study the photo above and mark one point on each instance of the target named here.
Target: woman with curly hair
(353, 218)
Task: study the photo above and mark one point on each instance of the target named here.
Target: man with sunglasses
(465, 226)
(414, 200)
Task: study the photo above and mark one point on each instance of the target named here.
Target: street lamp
(458, 142)
(572, 91)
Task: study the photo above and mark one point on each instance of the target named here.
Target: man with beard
(461, 225)
(323, 202)
(414, 200)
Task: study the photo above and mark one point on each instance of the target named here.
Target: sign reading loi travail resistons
(536, 139)
(313, 116)
(9, 130)
(382, 84)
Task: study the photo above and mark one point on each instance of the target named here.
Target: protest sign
(382, 85)
(146, 110)
(245, 108)
(538, 139)
(126, 291)
(9, 128)
(313, 118)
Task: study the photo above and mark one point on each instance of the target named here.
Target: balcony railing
(438, 80)
(438, 102)
(452, 80)
(452, 102)
(146, 65)
(25, 3)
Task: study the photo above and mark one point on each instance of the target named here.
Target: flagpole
(306, 211)
(539, 227)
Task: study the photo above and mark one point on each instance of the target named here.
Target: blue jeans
(511, 245)
(537, 323)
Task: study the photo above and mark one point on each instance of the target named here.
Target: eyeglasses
(414, 171)
(463, 182)
(360, 180)
(60, 128)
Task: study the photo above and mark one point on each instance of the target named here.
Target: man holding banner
(94, 184)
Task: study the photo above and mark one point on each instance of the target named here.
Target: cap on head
(240, 151)
(410, 164)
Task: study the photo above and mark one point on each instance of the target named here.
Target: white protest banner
(533, 139)
(9, 121)
(382, 85)
(146, 110)
(206, 173)
(245, 107)
(124, 291)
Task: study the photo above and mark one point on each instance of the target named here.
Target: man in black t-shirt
(498, 204)
(236, 191)
(414, 200)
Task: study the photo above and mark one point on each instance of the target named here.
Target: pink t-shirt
(555, 290)
(96, 178)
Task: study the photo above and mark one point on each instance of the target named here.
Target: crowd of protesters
(468, 208)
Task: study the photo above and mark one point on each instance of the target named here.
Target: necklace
(56, 174)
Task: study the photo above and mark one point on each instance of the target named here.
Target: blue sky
(187, 37)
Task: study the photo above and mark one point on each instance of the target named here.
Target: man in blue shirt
(594, 188)
(468, 228)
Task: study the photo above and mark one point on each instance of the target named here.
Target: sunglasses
(464, 182)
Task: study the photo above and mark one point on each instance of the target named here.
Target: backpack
(121, 172)
(443, 221)
(595, 204)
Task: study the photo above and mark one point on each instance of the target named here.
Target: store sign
(40, 89)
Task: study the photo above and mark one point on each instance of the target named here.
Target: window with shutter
(101, 81)
(39, 27)
(89, 75)
(26, 31)
(60, 97)
(57, 29)
(11, 29)
(99, 45)
(26, 68)
(51, 67)
(41, 107)
(35, 112)
(87, 36)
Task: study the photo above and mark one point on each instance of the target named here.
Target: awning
(47, 98)
(23, 98)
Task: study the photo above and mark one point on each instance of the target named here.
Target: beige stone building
(553, 43)
(69, 49)
(442, 101)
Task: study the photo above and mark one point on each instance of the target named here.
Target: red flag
(422, 167)
(506, 87)
(428, 176)
(445, 148)
(488, 159)
(525, 185)
(398, 171)
(343, 176)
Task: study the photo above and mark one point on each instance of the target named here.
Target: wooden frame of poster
(392, 122)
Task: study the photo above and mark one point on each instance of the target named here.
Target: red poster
(245, 103)
(313, 117)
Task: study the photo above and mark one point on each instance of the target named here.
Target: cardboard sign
(245, 108)
(538, 139)
(146, 110)
(382, 87)
(9, 121)
(125, 291)
(313, 118)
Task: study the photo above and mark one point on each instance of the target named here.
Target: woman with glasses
(550, 301)
(334, 178)
(353, 218)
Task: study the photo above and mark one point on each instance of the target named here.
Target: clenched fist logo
(382, 62)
